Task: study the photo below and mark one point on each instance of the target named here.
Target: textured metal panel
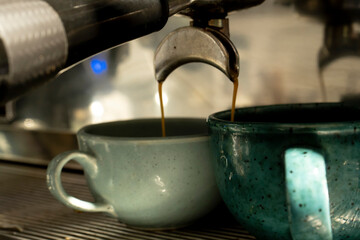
(29, 212)
(33, 37)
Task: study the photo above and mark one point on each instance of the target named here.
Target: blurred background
(279, 64)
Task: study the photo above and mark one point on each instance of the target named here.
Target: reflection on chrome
(31, 123)
(5, 146)
(96, 109)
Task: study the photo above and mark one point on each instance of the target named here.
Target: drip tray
(29, 212)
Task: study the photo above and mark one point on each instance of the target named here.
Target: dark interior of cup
(295, 113)
(149, 128)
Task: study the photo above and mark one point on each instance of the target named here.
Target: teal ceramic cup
(290, 171)
(140, 178)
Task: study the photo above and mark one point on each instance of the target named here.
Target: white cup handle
(53, 178)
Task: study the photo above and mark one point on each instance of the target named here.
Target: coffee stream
(160, 84)
(236, 85)
(162, 109)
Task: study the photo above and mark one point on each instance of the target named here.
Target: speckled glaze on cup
(141, 178)
(290, 171)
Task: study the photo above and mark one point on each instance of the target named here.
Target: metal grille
(29, 212)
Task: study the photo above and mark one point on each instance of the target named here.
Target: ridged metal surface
(29, 212)
(34, 39)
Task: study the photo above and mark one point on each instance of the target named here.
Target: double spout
(207, 40)
(196, 44)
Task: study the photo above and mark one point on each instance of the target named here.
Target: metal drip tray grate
(29, 212)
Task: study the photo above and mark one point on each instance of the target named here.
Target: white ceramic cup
(140, 178)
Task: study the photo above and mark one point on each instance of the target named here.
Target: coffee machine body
(280, 45)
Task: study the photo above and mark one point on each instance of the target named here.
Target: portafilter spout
(206, 40)
(195, 44)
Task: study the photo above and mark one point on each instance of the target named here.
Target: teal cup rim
(346, 117)
(147, 129)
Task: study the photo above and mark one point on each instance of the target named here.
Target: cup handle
(307, 194)
(53, 179)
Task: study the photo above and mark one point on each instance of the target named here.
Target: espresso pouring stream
(160, 84)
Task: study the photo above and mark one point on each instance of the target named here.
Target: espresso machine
(62, 34)
(66, 64)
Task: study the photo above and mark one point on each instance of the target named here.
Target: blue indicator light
(98, 66)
